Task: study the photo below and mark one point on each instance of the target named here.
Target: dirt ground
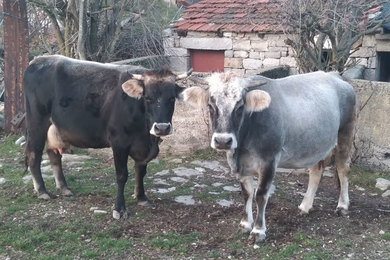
(206, 229)
(320, 235)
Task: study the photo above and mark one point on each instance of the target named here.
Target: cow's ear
(257, 100)
(195, 96)
(133, 88)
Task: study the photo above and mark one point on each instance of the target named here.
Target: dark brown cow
(93, 105)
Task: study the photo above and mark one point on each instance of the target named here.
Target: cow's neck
(153, 148)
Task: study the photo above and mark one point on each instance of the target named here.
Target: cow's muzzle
(223, 141)
(161, 129)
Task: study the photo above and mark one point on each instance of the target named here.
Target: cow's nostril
(229, 141)
(223, 142)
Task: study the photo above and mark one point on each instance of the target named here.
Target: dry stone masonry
(245, 53)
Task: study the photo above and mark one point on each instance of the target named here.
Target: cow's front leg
(56, 166)
(120, 159)
(247, 192)
(266, 176)
(314, 179)
(139, 190)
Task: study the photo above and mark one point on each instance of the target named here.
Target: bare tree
(105, 30)
(313, 24)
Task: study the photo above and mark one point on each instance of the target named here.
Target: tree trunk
(16, 61)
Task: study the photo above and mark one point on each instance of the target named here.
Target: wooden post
(15, 62)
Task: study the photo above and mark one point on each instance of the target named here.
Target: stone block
(242, 45)
(238, 72)
(256, 55)
(369, 74)
(252, 64)
(277, 48)
(167, 32)
(371, 63)
(234, 63)
(240, 54)
(177, 42)
(383, 46)
(227, 34)
(176, 52)
(229, 54)
(272, 54)
(364, 52)
(369, 41)
(289, 61)
(206, 43)
(251, 72)
(179, 64)
(362, 61)
(259, 45)
(169, 42)
(270, 62)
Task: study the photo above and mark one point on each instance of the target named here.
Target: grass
(366, 179)
(30, 228)
(179, 242)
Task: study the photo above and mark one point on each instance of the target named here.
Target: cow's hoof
(66, 192)
(342, 212)
(303, 210)
(256, 239)
(245, 226)
(44, 196)
(117, 215)
(303, 213)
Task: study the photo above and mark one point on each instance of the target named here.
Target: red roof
(231, 16)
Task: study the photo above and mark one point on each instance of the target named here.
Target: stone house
(374, 56)
(220, 35)
(243, 36)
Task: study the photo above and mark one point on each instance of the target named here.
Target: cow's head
(228, 98)
(158, 91)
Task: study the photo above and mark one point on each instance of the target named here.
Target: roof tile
(231, 16)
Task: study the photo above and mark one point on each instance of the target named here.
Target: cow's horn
(184, 75)
(138, 76)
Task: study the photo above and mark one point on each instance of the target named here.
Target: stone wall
(372, 138)
(366, 56)
(245, 53)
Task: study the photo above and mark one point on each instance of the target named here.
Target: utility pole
(15, 62)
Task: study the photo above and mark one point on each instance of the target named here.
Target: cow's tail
(25, 154)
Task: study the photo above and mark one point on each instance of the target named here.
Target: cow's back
(308, 110)
(78, 96)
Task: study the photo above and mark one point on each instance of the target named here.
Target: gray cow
(294, 122)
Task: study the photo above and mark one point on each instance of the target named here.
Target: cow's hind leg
(315, 174)
(120, 159)
(56, 166)
(342, 161)
(266, 176)
(247, 192)
(139, 190)
(36, 138)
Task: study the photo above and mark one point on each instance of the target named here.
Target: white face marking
(153, 131)
(224, 136)
(226, 90)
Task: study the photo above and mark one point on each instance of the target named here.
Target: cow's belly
(84, 134)
(305, 156)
